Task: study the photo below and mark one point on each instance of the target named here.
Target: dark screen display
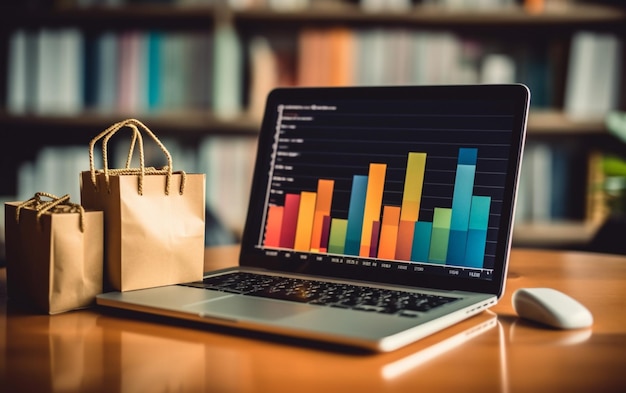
(388, 183)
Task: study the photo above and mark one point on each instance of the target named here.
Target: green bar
(337, 237)
(441, 235)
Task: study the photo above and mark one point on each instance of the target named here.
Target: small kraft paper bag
(54, 251)
(154, 218)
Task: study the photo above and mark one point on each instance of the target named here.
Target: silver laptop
(377, 216)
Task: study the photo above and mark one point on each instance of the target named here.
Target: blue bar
(457, 243)
(421, 241)
(355, 215)
(477, 234)
(468, 156)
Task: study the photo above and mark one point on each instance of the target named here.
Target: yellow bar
(413, 183)
(373, 204)
(389, 232)
(305, 221)
(322, 209)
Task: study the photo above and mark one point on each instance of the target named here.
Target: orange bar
(389, 232)
(373, 204)
(322, 209)
(405, 240)
(305, 221)
(272, 229)
(413, 183)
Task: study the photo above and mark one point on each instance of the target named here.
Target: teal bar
(355, 215)
(440, 236)
(479, 214)
(462, 196)
(461, 203)
(421, 241)
(477, 234)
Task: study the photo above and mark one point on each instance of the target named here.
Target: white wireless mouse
(551, 307)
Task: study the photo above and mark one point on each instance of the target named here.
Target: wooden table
(87, 351)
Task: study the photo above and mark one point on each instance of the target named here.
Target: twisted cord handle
(54, 205)
(137, 127)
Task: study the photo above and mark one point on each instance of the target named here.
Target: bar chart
(373, 188)
(456, 235)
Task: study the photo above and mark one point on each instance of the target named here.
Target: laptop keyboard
(355, 297)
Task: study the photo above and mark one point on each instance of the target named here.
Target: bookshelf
(493, 29)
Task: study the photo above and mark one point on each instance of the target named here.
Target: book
(593, 77)
(107, 71)
(312, 58)
(497, 68)
(370, 58)
(48, 63)
(59, 75)
(263, 75)
(91, 64)
(341, 48)
(200, 70)
(228, 72)
(385, 5)
(21, 71)
(54, 170)
(228, 164)
(154, 69)
(70, 74)
(419, 57)
(132, 72)
(399, 57)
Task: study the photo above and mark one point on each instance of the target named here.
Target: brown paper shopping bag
(54, 252)
(154, 219)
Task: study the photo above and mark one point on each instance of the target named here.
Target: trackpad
(248, 307)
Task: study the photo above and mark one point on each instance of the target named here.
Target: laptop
(378, 215)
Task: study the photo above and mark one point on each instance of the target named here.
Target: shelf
(113, 18)
(422, 16)
(432, 16)
(201, 123)
(184, 125)
(554, 234)
(558, 123)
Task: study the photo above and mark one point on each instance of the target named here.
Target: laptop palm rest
(248, 308)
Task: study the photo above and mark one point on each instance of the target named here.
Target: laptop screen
(403, 185)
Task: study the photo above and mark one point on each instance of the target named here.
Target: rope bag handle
(54, 205)
(137, 139)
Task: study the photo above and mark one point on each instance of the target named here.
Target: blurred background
(197, 73)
